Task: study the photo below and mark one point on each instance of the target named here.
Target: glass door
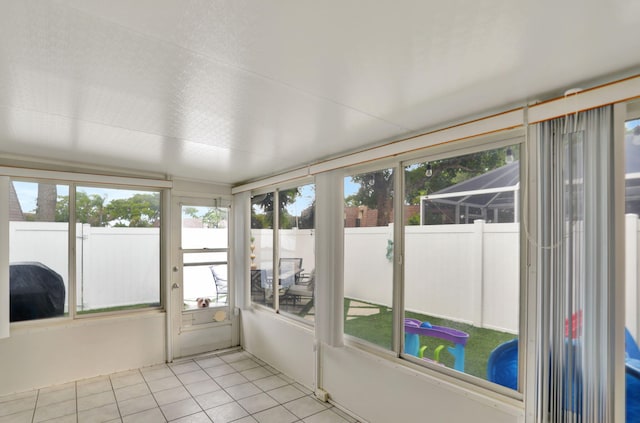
(201, 293)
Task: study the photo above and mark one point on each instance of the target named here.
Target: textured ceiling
(227, 91)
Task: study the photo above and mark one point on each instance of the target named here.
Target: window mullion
(398, 265)
(72, 251)
(275, 283)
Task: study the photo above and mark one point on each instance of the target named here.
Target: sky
(28, 193)
(307, 194)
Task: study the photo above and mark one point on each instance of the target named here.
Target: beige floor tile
(52, 411)
(179, 409)
(150, 416)
(227, 413)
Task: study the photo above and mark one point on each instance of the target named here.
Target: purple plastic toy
(414, 328)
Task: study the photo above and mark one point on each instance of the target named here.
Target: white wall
(373, 388)
(281, 342)
(380, 392)
(38, 356)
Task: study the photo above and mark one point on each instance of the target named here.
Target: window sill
(484, 391)
(67, 322)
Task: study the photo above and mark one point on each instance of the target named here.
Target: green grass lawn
(373, 323)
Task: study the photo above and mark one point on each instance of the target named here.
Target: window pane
(204, 227)
(205, 285)
(262, 248)
(38, 250)
(204, 276)
(461, 281)
(118, 249)
(211, 258)
(368, 261)
(632, 259)
(297, 251)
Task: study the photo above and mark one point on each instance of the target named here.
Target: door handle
(175, 286)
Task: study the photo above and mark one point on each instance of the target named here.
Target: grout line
(290, 382)
(151, 393)
(113, 391)
(75, 389)
(35, 406)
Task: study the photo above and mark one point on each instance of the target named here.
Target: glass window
(368, 256)
(117, 248)
(632, 260)
(462, 274)
(38, 245)
(296, 262)
(205, 282)
(261, 246)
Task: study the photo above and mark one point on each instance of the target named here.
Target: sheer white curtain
(576, 275)
(4, 257)
(241, 217)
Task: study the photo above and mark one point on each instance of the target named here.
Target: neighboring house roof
(15, 210)
(192, 222)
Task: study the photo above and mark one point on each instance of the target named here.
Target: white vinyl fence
(467, 273)
(461, 272)
(293, 243)
(114, 266)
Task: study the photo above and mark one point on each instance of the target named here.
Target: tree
(46, 203)
(89, 209)
(448, 172)
(308, 217)
(191, 211)
(214, 217)
(375, 192)
(265, 203)
(376, 188)
(141, 210)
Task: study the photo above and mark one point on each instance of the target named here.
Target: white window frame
(276, 241)
(72, 180)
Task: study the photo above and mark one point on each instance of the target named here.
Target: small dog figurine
(202, 302)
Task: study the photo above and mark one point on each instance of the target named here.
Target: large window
(368, 256)
(282, 250)
(117, 249)
(38, 246)
(462, 263)
(261, 246)
(632, 269)
(296, 257)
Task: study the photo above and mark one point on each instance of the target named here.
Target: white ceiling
(232, 90)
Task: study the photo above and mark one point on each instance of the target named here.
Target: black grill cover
(36, 292)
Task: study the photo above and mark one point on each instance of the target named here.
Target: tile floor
(219, 388)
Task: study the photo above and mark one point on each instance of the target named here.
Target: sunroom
(304, 213)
